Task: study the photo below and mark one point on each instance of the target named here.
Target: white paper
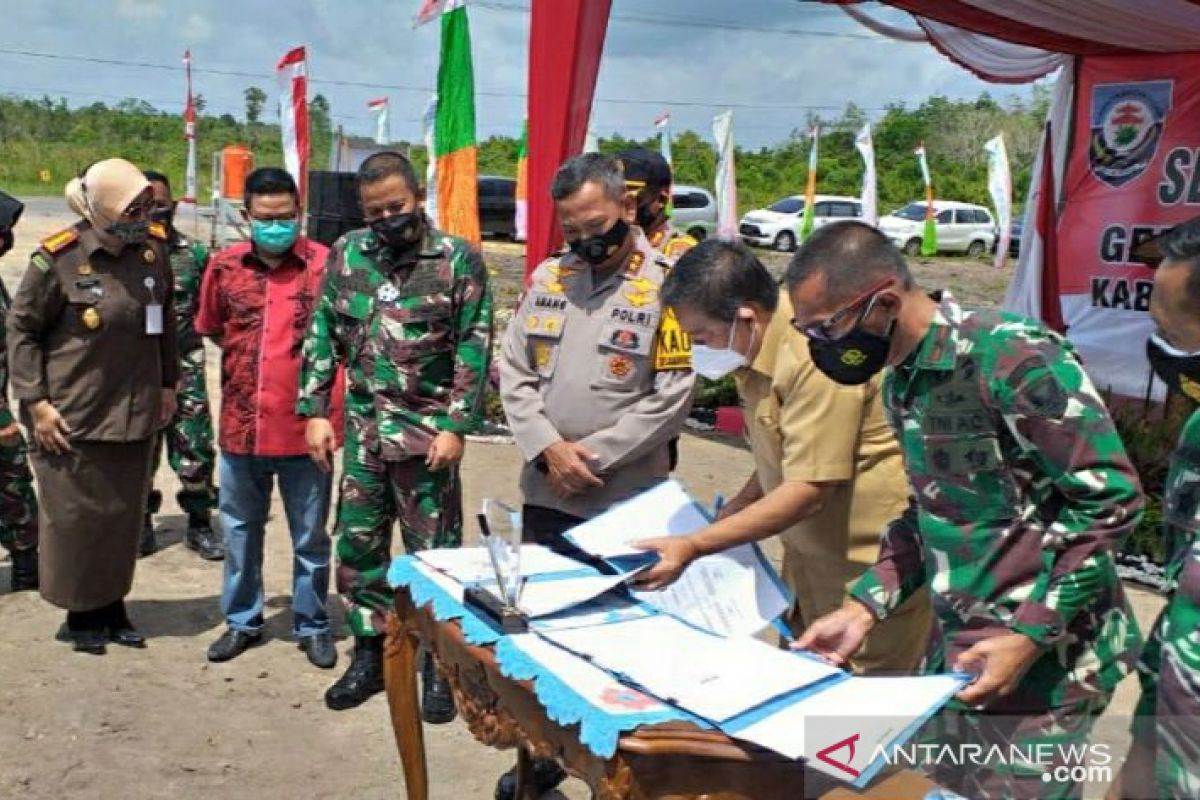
(729, 594)
(665, 510)
(472, 565)
(710, 676)
(841, 730)
(541, 598)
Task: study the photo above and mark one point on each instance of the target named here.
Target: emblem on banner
(1127, 124)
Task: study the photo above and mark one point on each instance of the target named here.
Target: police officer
(189, 437)
(91, 343)
(18, 503)
(1021, 491)
(408, 312)
(591, 388)
(648, 176)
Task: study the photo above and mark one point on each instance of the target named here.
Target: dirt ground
(164, 723)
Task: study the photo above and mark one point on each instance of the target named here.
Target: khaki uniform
(77, 336)
(590, 362)
(802, 426)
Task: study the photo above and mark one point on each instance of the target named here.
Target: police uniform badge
(620, 366)
(148, 255)
(91, 318)
(542, 353)
(85, 268)
(641, 292)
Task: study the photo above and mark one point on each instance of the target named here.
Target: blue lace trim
(598, 730)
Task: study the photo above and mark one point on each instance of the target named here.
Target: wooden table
(671, 760)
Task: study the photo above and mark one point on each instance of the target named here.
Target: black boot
(545, 774)
(147, 543)
(25, 570)
(84, 630)
(363, 678)
(119, 628)
(201, 537)
(437, 703)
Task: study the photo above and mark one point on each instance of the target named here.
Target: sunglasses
(824, 331)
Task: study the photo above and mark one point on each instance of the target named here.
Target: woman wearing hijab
(92, 353)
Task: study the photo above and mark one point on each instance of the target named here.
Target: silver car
(694, 211)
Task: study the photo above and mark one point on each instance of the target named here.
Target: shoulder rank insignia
(58, 242)
(158, 230)
(641, 292)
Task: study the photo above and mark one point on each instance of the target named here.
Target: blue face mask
(274, 236)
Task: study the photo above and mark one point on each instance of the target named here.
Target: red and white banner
(1133, 173)
(189, 133)
(292, 72)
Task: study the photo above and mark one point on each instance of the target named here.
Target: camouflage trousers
(374, 495)
(1005, 756)
(1168, 713)
(189, 442)
(18, 503)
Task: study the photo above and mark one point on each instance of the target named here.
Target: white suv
(961, 227)
(778, 225)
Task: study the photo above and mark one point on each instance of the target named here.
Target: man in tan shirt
(828, 471)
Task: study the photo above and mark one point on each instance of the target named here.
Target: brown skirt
(92, 501)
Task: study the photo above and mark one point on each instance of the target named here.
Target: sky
(773, 60)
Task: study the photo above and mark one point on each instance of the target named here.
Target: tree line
(43, 142)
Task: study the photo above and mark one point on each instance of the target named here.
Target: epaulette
(58, 242)
(158, 231)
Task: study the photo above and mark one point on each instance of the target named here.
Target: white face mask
(715, 363)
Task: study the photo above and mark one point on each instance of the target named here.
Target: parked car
(694, 211)
(778, 225)
(497, 206)
(961, 227)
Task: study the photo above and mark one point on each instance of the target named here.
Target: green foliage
(1150, 434)
(714, 394)
(45, 134)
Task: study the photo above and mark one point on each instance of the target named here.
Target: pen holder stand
(500, 616)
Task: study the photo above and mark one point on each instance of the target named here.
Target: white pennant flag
(726, 180)
(379, 107)
(663, 123)
(428, 129)
(1000, 188)
(866, 148)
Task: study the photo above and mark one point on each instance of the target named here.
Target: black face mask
(1179, 371)
(853, 359)
(6, 242)
(597, 249)
(163, 216)
(647, 219)
(130, 233)
(400, 232)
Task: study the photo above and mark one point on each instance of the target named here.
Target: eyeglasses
(824, 331)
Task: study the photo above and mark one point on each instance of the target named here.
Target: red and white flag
(379, 107)
(292, 72)
(432, 9)
(189, 133)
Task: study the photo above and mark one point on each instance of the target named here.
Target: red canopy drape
(566, 38)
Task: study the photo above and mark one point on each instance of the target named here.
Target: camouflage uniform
(1168, 714)
(415, 337)
(1021, 490)
(18, 503)
(189, 437)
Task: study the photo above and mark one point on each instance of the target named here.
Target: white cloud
(140, 10)
(197, 29)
